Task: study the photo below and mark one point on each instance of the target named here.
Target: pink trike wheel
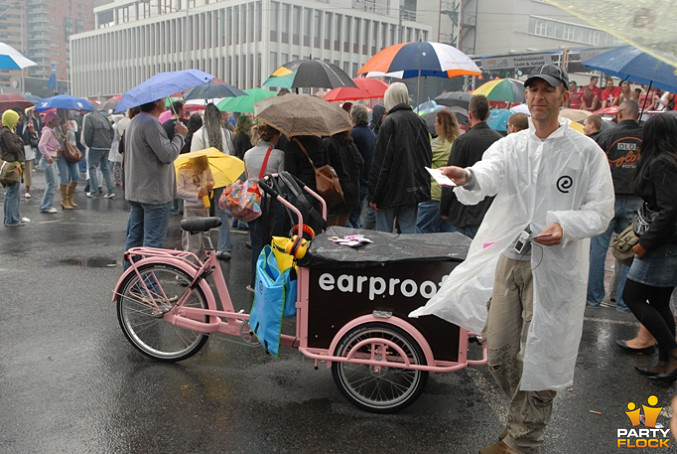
(379, 388)
(145, 297)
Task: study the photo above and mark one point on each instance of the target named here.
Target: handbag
(326, 180)
(274, 291)
(71, 153)
(621, 246)
(10, 172)
(243, 199)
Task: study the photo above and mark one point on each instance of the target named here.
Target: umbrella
(508, 90)
(32, 98)
(498, 119)
(520, 108)
(309, 73)
(63, 102)
(303, 115)
(647, 24)
(407, 60)
(225, 169)
(111, 103)
(13, 101)
(454, 98)
(10, 58)
(213, 90)
(245, 104)
(575, 114)
(632, 64)
(366, 89)
(160, 86)
(611, 110)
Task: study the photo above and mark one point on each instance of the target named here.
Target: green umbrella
(169, 101)
(244, 104)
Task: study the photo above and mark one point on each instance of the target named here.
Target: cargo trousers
(510, 313)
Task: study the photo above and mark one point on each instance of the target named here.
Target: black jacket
(397, 176)
(658, 188)
(241, 143)
(466, 151)
(364, 140)
(622, 145)
(296, 163)
(347, 161)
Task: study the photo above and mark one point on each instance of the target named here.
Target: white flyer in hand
(441, 179)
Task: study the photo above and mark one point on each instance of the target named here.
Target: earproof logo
(652, 435)
(378, 286)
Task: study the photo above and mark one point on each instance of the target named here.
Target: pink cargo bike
(351, 307)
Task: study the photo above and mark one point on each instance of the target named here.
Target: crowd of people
(562, 193)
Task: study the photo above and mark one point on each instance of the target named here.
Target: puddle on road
(90, 262)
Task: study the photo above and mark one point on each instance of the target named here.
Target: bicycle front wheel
(145, 297)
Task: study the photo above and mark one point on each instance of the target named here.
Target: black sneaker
(223, 255)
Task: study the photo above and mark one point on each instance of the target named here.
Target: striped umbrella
(407, 60)
(508, 90)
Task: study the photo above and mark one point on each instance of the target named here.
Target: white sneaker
(50, 210)
(109, 196)
(27, 195)
(25, 220)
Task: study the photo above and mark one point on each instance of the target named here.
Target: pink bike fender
(394, 321)
(180, 264)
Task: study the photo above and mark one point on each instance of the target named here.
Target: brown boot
(65, 204)
(71, 194)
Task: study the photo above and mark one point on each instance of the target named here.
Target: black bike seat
(200, 224)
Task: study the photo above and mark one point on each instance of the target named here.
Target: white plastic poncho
(563, 179)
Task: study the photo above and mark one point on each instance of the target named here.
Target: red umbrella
(13, 101)
(366, 89)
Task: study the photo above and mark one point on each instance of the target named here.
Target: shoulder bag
(621, 246)
(243, 199)
(326, 180)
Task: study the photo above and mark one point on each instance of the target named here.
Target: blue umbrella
(630, 63)
(162, 85)
(63, 102)
(498, 119)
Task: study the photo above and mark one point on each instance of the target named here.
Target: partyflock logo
(652, 435)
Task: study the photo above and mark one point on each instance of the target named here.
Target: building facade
(240, 41)
(41, 30)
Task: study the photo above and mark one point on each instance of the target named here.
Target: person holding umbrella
(150, 180)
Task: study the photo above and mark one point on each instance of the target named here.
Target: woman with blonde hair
(194, 182)
(428, 218)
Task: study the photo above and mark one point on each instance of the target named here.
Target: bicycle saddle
(199, 224)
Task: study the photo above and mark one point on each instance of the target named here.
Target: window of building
(284, 22)
(307, 25)
(328, 28)
(357, 34)
(339, 32)
(296, 26)
(348, 35)
(318, 28)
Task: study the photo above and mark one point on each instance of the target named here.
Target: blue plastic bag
(274, 298)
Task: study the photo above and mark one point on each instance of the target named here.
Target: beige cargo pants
(510, 312)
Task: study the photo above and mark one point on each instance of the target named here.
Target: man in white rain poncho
(555, 183)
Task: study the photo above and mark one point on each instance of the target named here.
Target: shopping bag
(273, 288)
(243, 199)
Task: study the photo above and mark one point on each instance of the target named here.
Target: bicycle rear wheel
(145, 298)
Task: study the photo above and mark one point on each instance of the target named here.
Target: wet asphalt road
(71, 383)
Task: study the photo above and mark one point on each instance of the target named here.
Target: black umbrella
(454, 98)
(213, 90)
(309, 74)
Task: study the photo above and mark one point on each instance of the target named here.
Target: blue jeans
(405, 215)
(11, 204)
(50, 179)
(624, 209)
(224, 229)
(68, 171)
(99, 157)
(469, 230)
(428, 219)
(147, 225)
